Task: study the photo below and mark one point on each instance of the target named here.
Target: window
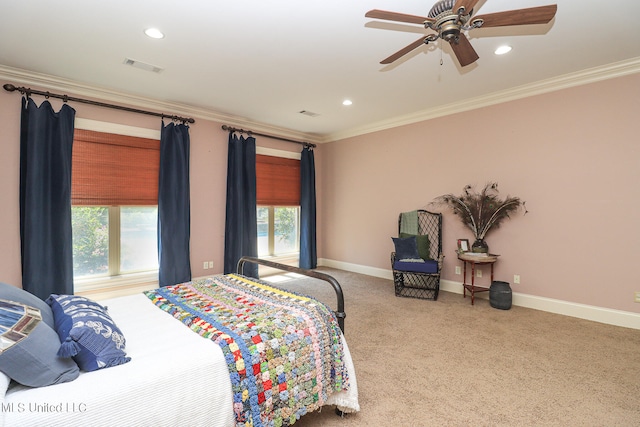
(110, 241)
(278, 198)
(114, 205)
(278, 230)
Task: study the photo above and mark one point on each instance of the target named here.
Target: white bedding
(174, 377)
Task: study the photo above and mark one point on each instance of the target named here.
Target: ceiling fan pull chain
(440, 43)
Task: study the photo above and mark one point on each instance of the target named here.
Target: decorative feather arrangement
(481, 211)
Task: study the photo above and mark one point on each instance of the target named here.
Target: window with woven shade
(114, 198)
(278, 199)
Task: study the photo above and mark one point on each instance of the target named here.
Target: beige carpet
(447, 363)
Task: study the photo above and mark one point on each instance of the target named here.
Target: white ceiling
(260, 62)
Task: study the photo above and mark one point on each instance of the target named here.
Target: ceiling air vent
(309, 113)
(143, 65)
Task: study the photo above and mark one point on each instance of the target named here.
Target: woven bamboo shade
(277, 181)
(114, 170)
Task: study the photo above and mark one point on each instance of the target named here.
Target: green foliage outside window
(285, 224)
(90, 240)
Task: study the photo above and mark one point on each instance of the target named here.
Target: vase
(480, 246)
(500, 295)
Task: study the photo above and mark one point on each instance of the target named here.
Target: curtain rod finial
(9, 87)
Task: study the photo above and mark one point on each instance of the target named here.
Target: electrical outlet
(637, 297)
(210, 264)
(478, 273)
(205, 265)
(516, 279)
(458, 269)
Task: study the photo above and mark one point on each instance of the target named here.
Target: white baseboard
(356, 268)
(588, 312)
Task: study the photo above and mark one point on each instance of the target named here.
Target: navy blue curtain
(308, 253)
(241, 228)
(174, 209)
(46, 143)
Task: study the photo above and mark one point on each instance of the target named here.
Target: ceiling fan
(449, 18)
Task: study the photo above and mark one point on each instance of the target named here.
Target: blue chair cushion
(429, 266)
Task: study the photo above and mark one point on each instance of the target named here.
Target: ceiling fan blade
(465, 53)
(467, 4)
(532, 15)
(403, 51)
(394, 16)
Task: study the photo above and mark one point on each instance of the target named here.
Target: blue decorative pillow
(12, 293)
(28, 347)
(87, 332)
(423, 243)
(406, 248)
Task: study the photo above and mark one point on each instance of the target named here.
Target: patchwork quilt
(283, 350)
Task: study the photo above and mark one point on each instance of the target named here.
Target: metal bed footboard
(339, 312)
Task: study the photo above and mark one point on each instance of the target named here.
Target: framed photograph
(463, 245)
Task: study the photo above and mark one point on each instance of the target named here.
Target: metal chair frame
(421, 285)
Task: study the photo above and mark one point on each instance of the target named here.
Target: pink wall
(573, 155)
(10, 271)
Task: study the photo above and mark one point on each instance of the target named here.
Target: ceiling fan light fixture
(450, 32)
(501, 50)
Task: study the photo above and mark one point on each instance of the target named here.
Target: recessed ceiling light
(154, 33)
(502, 50)
(347, 102)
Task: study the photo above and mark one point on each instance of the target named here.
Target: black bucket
(500, 295)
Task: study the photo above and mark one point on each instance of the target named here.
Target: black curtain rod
(249, 132)
(23, 90)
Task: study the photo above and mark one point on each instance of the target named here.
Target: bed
(180, 376)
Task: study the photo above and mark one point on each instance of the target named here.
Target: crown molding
(591, 75)
(46, 82)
